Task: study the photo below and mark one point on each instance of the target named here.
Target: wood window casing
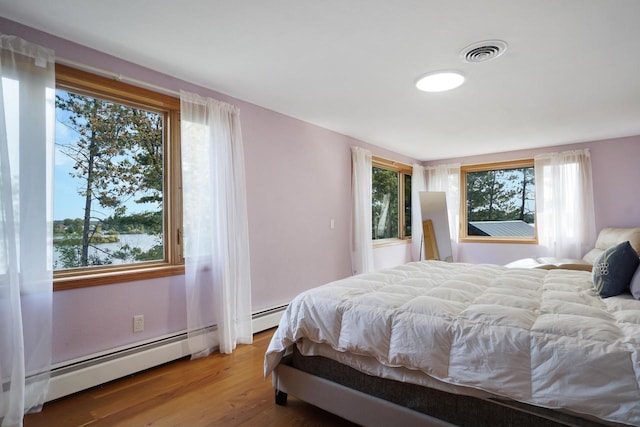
(464, 237)
(84, 83)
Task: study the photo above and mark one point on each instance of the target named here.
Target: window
(498, 202)
(116, 194)
(391, 200)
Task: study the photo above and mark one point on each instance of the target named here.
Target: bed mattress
(542, 337)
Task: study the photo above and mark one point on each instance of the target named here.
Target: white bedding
(538, 336)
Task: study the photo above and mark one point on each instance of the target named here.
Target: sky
(67, 203)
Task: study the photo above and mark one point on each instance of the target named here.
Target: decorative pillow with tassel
(614, 268)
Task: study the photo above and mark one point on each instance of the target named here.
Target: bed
(438, 343)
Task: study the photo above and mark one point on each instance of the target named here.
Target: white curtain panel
(361, 240)
(27, 115)
(418, 184)
(447, 178)
(216, 238)
(565, 214)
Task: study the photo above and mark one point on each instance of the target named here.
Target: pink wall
(616, 182)
(89, 320)
(298, 180)
(616, 176)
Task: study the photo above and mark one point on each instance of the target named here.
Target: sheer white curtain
(27, 115)
(447, 178)
(216, 238)
(564, 202)
(418, 184)
(361, 239)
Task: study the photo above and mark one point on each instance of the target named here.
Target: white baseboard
(73, 376)
(267, 319)
(81, 376)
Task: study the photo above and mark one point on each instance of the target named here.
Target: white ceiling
(571, 72)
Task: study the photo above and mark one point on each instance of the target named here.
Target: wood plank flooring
(219, 390)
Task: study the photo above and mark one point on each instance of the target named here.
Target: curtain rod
(116, 76)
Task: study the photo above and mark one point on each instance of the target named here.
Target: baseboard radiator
(80, 374)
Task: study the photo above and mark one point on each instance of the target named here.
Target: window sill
(73, 279)
(390, 242)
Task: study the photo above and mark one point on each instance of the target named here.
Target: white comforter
(536, 336)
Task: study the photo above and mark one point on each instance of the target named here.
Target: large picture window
(116, 199)
(498, 202)
(391, 200)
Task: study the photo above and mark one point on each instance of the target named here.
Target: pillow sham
(634, 287)
(614, 268)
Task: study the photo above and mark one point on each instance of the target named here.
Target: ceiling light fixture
(440, 81)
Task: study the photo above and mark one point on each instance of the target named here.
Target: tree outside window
(499, 201)
(112, 156)
(391, 200)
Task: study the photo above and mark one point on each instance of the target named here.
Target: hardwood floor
(219, 390)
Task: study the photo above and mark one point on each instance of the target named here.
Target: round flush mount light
(440, 81)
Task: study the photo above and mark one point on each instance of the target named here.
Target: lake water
(142, 241)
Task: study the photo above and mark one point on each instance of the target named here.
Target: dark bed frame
(341, 389)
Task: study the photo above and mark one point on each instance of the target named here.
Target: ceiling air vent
(483, 51)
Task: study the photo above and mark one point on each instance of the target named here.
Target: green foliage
(129, 254)
(501, 195)
(139, 223)
(117, 157)
(70, 257)
(77, 240)
(384, 203)
(156, 252)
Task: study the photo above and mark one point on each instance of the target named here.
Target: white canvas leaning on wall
(433, 206)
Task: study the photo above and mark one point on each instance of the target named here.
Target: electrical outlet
(138, 323)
